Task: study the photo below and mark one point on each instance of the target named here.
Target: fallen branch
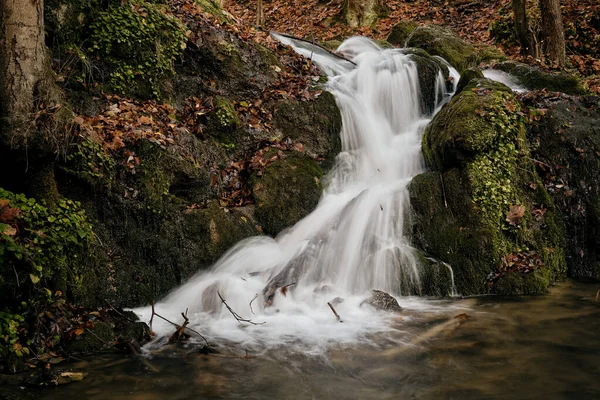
(180, 332)
(255, 297)
(236, 315)
(334, 312)
(176, 325)
(333, 53)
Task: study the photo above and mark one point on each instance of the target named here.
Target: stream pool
(486, 347)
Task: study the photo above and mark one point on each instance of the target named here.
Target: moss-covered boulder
(566, 144)
(534, 78)
(483, 210)
(315, 124)
(436, 40)
(286, 192)
(429, 69)
(401, 32)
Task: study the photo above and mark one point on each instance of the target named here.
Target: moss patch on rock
(534, 78)
(287, 191)
(436, 40)
(484, 172)
(315, 124)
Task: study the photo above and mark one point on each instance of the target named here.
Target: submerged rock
(382, 301)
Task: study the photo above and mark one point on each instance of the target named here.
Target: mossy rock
(534, 78)
(316, 124)
(401, 32)
(478, 148)
(456, 133)
(429, 68)
(223, 121)
(92, 340)
(436, 40)
(288, 190)
(566, 142)
(466, 77)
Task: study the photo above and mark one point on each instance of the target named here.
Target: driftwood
(333, 53)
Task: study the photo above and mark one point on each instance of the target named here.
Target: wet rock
(316, 124)
(382, 301)
(466, 77)
(477, 148)
(566, 142)
(286, 192)
(534, 78)
(336, 301)
(436, 40)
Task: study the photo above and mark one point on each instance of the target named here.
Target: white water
(351, 243)
(505, 78)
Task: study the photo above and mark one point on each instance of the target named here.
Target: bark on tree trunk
(260, 16)
(23, 65)
(527, 38)
(554, 36)
(360, 12)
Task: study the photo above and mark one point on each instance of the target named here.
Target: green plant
(138, 41)
(12, 335)
(41, 247)
(492, 173)
(91, 162)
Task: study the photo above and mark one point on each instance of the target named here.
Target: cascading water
(352, 242)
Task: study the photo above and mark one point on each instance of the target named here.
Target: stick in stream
(333, 53)
(334, 312)
(255, 297)
(176, 325)
(236, 315)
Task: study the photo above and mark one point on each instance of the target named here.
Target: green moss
(287, 191)
(213, 7)
(438, 41)
(100, 337)
(478, 144)
(224, 121)
(401, 32)
(534, 78)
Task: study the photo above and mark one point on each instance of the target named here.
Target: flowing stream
(351, 243)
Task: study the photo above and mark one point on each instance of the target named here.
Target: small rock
(382, 301)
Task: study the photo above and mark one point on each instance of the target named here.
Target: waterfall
(352, 242)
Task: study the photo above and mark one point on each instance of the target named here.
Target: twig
(152, 317)
(598, 295)
(124, 316)
(541, 163)
(334, 312)
(255, 297)
(318, 45)
(176, 325)
(443, 190)
(236, 315)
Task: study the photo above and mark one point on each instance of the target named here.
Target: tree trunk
(23, 66)
(360, 12)
(554, 36)
(260, 16)
(527, 38)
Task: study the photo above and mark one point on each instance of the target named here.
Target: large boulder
(436, 40)
(287, 191)
(565, 143)
(483, 210)
(534, 78)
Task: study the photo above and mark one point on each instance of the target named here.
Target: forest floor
(486, 22)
